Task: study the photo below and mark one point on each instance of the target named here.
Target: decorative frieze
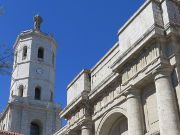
(76, 116)
(140, 62)
(107, 97)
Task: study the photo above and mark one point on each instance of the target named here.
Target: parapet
(82, 82)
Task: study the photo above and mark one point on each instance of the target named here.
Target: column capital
(132, 91)
(164, 71)
(87, 122)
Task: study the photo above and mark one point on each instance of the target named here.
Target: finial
(37, 22)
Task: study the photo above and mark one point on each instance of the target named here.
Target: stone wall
(142, 22)
(79, 84)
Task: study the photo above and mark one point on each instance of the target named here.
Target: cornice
(38, 34)
(71, 106)
(103, 84)
(105, 56)
(140, 43)
(33, 104)
(147, 2)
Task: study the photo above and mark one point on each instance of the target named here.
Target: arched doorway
(35, 128)
(113, 122)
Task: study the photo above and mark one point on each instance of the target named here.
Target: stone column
(166, 102)
(134, 111)
(86, 129)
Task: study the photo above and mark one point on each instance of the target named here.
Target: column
(86, 129)
(134, 111)
(166, 102)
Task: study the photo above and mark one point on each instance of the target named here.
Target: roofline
(34, 32)
(145, 4)
(77, 77)
(105, 56)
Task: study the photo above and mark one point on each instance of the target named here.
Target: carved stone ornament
(37, 22)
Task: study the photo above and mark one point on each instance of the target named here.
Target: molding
(34, 61)
(140, 43)
(109, 114)
(103, 84)
(38, 34)
(25, 78)
(104, 57)
(147, 2)
(71, 106)
(113, 104)
(34, 104)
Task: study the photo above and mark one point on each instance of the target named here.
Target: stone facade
(31, 109)
(135, 88)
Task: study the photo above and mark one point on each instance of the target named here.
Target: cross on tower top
(37, 22)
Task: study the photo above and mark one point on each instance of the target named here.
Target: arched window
(41, 53)
(35, 129)
(21, 90)
(51, 98)
(12, 93)
(37, 93)
(24, 55)
(53, 59)
(4, 127)
(15, 57)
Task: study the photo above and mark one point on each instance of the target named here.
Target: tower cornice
(32, 32)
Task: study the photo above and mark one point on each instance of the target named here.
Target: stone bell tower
(31, 109)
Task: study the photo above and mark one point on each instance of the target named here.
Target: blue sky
(84, 29)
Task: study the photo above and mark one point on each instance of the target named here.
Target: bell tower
(31, 109)
(34, 65)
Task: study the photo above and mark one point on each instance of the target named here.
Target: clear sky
(84, 29)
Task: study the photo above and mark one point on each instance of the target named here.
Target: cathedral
(133, 90)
